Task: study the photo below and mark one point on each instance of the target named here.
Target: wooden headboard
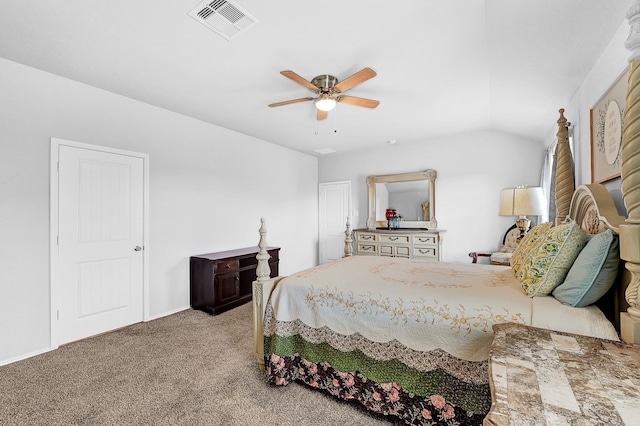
(592, 207)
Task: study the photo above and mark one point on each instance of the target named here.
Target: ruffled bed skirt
(386, 387)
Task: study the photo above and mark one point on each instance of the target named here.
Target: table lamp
(522, 202)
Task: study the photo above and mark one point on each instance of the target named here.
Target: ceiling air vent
(223, 17)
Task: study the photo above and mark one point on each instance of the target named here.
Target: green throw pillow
(593, 272)
(547, 264)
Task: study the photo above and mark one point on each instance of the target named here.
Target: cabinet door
(403, 251)
(227, 287)
(386, 250)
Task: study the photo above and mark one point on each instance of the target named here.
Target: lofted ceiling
(444, 66)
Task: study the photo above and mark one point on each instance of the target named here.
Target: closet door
(334, 205)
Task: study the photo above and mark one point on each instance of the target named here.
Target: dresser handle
(366, 248)
(228, 266)
(366, 237)
(393, 238)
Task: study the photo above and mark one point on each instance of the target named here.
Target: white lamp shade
(522, 202)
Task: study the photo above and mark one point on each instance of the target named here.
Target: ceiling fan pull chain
(335, 119)
(316, 126)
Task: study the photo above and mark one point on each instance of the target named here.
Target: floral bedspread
(387, 398)
(422, 305)
(403, 337)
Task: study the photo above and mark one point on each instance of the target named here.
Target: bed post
(565, 182)
(630, 230)
(348, 247)
(262, 287)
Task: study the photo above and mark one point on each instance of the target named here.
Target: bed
(411, 339)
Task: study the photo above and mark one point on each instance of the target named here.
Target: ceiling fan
(326, 86)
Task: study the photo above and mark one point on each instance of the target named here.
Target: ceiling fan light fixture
(325, 102)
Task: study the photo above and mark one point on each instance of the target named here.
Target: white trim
(24, 356)
(166, 314)
(53, 230)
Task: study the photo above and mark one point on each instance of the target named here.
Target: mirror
(412, 195)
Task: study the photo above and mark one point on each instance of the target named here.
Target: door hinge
(57, 240)
(58, 314)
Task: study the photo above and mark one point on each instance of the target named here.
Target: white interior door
(335, 206)
(100, 241)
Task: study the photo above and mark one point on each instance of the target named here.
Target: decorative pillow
(529, 240)
(548, 262)
(593, 272)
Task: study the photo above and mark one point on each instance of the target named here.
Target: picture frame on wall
(607, 123)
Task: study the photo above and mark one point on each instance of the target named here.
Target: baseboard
(23, 356)
(42, 351)
(164, 314)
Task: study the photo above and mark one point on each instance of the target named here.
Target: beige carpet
(187, 368)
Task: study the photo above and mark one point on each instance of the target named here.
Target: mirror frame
(428, 175)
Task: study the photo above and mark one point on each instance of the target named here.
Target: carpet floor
(187, 368)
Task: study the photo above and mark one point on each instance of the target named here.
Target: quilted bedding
(404, 337)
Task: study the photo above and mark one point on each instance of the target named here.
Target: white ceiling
(444, 66)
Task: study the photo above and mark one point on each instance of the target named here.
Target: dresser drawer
(225, 265)
(367, 237)
(401, 239)
(367, 249)
(425, 252)
(425, 240)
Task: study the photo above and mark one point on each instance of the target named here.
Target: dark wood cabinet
(221, 281)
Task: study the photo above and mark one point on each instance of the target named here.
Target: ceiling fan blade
(359, 77)
(321, 115)
(292, 101)
(352, 100)
(295, 77)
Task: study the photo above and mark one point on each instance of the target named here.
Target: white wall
(208, 189)
(609, 67)
(472, 170)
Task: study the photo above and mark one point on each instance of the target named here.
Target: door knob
(137, 248)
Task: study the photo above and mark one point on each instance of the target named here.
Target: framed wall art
(607, 122)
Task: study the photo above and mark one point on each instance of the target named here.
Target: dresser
(542, 377)
(409, 243)
(223, 280)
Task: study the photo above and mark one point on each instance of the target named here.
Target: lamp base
(523, 224)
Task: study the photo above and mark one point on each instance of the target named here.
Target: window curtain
(548, 183)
